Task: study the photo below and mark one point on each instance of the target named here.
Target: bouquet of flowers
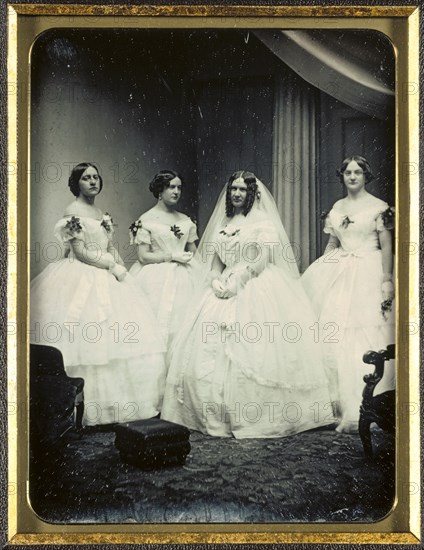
(134, 227)
(73, 226)
(388, 217)
(230, 230)
(386, 307)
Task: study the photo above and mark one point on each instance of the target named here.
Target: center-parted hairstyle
(362, 162)
(76, 174)
(161, 180)
(250, 180)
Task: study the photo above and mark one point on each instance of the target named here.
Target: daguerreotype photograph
(212, 278)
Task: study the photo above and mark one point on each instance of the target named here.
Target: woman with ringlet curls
(245, 364)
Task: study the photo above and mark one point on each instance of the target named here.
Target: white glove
(119, 271)
(218, 288)
(182, 257)
(388, 290)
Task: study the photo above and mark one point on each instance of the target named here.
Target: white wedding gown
(344, 286)
(248, 366)
(105, 329)
(168, 285)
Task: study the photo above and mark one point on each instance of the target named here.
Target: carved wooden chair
(380, 409)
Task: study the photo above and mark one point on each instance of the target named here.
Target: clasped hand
(118, 271)
(182, 257)
(224, 289)
(388, 291)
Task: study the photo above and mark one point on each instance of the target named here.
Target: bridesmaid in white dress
(166, 240)
(245, 363)
(351, 288)
(87, 306)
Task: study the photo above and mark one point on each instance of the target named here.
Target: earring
(160, 196)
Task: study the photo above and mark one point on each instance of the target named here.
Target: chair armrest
(77, 382)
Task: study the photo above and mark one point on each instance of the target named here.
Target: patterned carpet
(314, 476)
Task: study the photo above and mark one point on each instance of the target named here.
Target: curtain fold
(294, 163)
(339, 64)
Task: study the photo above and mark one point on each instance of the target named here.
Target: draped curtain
(294, 163)
(344, 65)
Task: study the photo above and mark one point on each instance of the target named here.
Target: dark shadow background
(202, 102)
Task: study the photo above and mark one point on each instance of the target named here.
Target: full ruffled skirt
(248, 366)
(345, 290)
(107, 334)
(169, 287)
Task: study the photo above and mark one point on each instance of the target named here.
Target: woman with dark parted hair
(166, 240)
(351, 289)
(245, 364)
(87, 306)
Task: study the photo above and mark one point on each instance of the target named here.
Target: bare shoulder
(76, 209)
(149, 214)
(376, 201)
(72, 209)
(152, 215)
(184, 217)
(338, 205)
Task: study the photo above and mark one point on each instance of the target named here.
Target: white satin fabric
(105, 329)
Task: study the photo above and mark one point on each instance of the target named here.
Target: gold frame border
(215, 11)
(201, 533)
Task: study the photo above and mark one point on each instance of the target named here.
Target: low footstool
(152, 443)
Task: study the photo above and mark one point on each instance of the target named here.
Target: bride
(245, 363)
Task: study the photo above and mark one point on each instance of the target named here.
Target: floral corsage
(346, 221)
(323, 215)
(73, 226)
(386, 308)
(230, 231)
(388, 218)
(177, 231)
(107, 223)
(134, 227)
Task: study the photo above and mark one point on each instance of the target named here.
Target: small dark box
(152, 443)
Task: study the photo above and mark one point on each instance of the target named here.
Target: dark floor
(318, 475)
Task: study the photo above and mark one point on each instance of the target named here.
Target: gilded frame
(401, 23)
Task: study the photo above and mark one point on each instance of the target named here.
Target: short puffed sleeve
(192, 233)
(139, 234)
(69, 228)
(385, 219)
(328, 224)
